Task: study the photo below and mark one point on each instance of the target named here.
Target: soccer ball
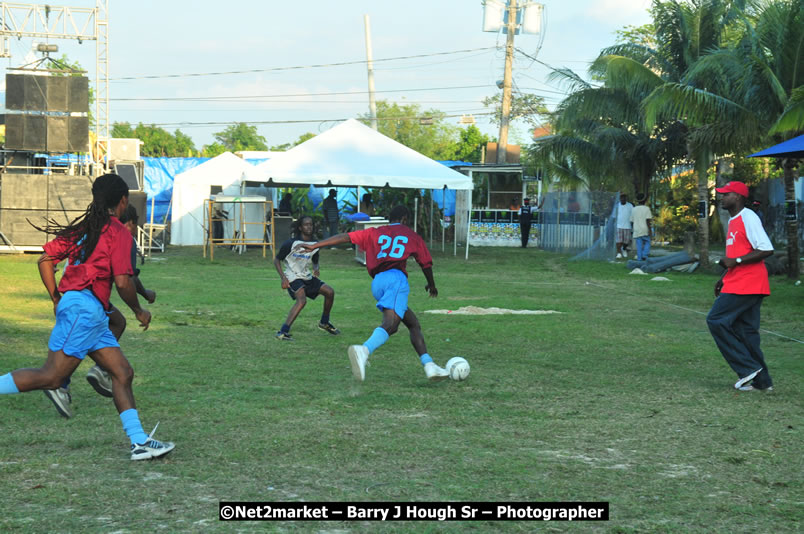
(458, 368)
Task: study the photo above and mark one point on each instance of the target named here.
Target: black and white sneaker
(328, 327)
(151, 448)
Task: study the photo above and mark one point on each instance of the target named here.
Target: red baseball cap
(734, 187)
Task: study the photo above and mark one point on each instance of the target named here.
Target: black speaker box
(35, 93)
(15, 129)
(78, 134)
(78, 100)
(15, 92)
(34, 136)
(57, 89)
(57, 134)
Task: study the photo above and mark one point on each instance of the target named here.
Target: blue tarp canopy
(792, 148)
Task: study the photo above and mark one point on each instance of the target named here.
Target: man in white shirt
(641, 218)
(623, 226)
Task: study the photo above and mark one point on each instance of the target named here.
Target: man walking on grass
(734, 317)
(387, 251)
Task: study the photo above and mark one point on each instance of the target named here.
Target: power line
(301, 121)
(241, 98)
(297, 67)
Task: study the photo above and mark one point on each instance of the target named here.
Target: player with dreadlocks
(97, 247)
(99, 379)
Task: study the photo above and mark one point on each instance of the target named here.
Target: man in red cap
(734, 317)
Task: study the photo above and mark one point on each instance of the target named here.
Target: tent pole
(431, 219)
(469, 216)
(416, 214)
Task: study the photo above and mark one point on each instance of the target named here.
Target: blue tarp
(159, 175)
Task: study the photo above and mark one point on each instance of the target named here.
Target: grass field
(622, 397)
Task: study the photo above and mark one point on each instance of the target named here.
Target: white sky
(149, 38)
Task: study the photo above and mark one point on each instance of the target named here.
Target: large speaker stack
(51, 113)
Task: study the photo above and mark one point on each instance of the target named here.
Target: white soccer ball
(458, 368)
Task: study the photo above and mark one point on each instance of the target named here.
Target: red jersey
(388, 247)
(745, 234)
(111, 257)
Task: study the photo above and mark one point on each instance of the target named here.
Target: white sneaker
(744, 380)
(358, 356)
(619, 256)
(435, 373)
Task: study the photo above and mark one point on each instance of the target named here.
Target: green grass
(623, 397)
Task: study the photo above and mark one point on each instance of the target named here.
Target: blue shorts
(391, 289)
(82, 325)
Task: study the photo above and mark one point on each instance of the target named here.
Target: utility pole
(370, 66)
(502, 144)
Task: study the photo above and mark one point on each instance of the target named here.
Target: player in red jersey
(98, 248)
(387, 251)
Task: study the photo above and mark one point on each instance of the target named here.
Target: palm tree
(745, 96)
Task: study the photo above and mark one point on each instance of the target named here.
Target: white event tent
(192, 188)
(352, 154)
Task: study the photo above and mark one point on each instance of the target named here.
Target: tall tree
(685, 32)
(424, 131)
(157, 142)
(747, 95)
(241, 136)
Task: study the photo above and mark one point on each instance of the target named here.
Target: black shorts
(311, 287)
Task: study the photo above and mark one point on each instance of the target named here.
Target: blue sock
(324, 318)
(378, 337)
(7, 385)
(66, 383)
(425, 358)
(133, 427)
(285, 328)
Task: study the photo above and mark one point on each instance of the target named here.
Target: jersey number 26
(397, 246)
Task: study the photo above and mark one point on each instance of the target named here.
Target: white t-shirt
(640, 216)
(624, 215)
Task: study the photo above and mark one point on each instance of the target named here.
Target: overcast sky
(169, 38)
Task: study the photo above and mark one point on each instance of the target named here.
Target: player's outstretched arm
(127, 292)
(328, 242)
(430, 287)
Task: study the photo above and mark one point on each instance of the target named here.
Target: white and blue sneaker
(151, 448)
(358, 356)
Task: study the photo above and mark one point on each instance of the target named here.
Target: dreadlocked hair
(297, 225)
(85, 231)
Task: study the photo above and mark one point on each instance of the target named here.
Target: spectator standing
(623, 226)
(331, 216)
(641, 218)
